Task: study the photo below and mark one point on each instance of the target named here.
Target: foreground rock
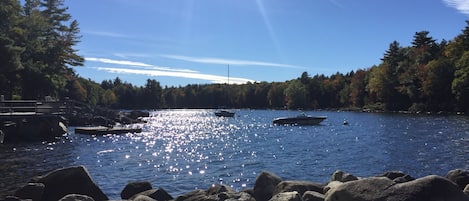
(134, 188)
(264, 186)
(74, 183)
(219, 192)
(60, 183)
(430, 188)
(459, 176)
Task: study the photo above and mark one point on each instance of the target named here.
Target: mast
(228, 86)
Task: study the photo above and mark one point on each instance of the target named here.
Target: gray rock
(459, 176)
(224, 192)
(397, 176)
(216, 193)
(286, 196)
(313, 196)
(265, 185)
(298, 186)
(157, 194)
(341, 176)
(331, 185)
(193, 196)
(232, 196)
(359, 190)
(250, 191)
(71, 180)
(134, 188)
(12, 198)
(76, 197)
(217, 189)
(429, 188)
(142, 198)
(32, 191)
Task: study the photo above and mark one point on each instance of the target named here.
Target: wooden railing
(11, 107)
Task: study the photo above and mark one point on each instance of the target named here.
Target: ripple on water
(181, 150)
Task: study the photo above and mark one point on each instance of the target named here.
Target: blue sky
(180, 42)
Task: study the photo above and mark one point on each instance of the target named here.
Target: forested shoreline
(38, 37)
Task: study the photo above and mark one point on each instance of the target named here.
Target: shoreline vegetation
(429, 75)
(75, 183)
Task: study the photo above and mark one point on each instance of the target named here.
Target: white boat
(301, 119)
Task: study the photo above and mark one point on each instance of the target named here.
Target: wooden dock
(33, 120)
(103, 130)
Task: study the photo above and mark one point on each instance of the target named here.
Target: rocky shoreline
(75, 183)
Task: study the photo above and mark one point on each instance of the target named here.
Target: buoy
(345, 122)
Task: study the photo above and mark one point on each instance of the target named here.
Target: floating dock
(103, 130)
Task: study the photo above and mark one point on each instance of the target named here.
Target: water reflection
(180, 150)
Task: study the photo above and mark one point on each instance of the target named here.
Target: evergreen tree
(460, 84)
(10, 51)
(296, 95)
(436, 87)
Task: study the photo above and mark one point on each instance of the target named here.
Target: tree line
(426, 76)
(38, 37)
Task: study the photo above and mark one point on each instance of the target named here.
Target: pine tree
(10, 51)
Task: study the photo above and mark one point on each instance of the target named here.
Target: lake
(183, 150)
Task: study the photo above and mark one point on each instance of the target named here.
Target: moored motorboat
(300, 120)
(224, 113)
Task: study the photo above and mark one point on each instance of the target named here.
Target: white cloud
(105, 34)
(201, 76)
(120, 62)
(140, 68)
(130, 55)
(137, 64)
(210, 60)
(460, 5)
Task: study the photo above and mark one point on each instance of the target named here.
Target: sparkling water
(183, 150)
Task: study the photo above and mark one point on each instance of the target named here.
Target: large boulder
(218, 192)
(429, 188)
(156, 194)
(193, 196)
(143, 198)
(265, 185)
(312, 196)
(240, 196)
(286, 196)
(341, 176)
(459, 176)
(134, 188)
(397, 176)
(71, 180)
(331, 185)
(76, 197)
(367, 189)
(298, 186)
(32, 191)
(217, 189)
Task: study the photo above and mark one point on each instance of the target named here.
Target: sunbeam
(265, 18)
